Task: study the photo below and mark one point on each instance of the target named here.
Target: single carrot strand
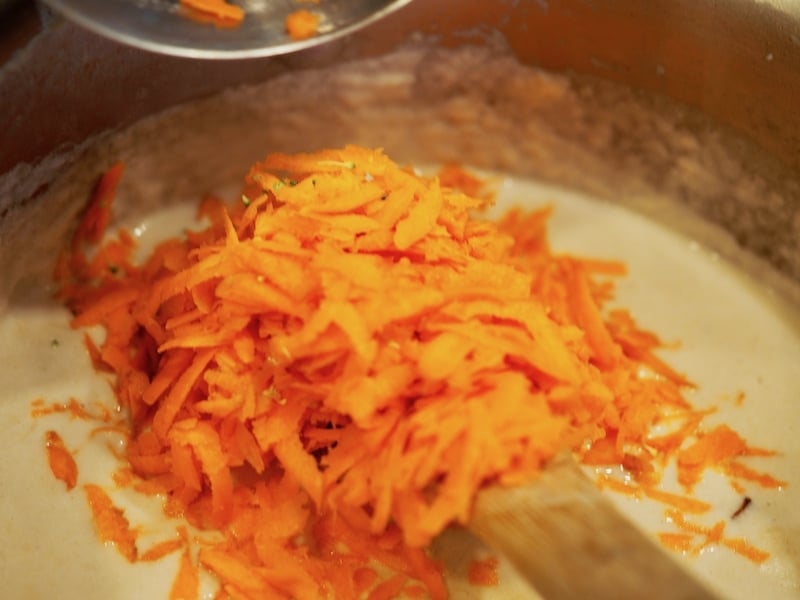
(586, 313)
(62, 463)
(74, 408)
(483, 572)
(110, 522)
(389, 589)
(744, 548)
(681, 542)
(161, 549)
(683, 503)
(740, 471)
(186, 585)
(301, 24)
(217, 8)
(97, 214)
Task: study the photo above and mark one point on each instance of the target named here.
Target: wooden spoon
(569, 542)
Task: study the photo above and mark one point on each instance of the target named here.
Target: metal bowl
(160, 26)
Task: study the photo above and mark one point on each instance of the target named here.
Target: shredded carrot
(456, 177)
(708, 536)
(187, 583)
(328, 373)
(161, 550)
(621, 487)
(746, 549)
(740, 471)
(74, 408)
(302, 24)
(683, 503)
(124, 477)
(388, 589)
(681, 542)
(97, 213)
(364, 578)
(483, 572)
(110, 522)
(216, 8)
(719, 447)
(62, 464)
(414, 591)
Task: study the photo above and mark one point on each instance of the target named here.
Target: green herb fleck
(55, 343)
(245, 200)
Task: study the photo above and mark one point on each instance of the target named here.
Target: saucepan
(665, 134)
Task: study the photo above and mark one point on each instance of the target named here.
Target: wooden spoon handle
(571, 543)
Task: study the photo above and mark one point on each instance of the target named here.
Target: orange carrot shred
(710, 535)
(321, 379)
(161, 550)
(364, 578)
(186, 585)
(483, 572)
(741, 471)
(97, 215)
(302, 24)
(741, 546)
(62, 463)
(110, 522)
(683, 503)
(74, 409)
(676, 541)
(389, 589)
(217, 8)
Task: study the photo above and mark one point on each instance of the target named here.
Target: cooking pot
(684, 110)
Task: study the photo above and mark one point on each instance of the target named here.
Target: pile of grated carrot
(329, 372)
